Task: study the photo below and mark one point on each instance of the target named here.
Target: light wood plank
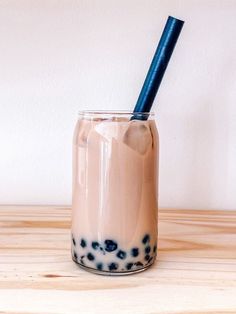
(195, 272)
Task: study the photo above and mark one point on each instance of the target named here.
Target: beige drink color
(114, 208)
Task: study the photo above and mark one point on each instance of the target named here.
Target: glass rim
(114, 112)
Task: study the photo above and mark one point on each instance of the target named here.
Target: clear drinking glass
(114, 204)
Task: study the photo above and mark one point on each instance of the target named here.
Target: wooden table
(195, 271)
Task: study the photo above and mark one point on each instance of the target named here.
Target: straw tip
(175, 19)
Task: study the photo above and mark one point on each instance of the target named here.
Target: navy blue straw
(158, 66)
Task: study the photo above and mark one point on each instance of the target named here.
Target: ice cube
(138, 136)
(107, 130)
(119, 119)
(83, 132)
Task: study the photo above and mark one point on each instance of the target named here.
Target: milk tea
(114, 205)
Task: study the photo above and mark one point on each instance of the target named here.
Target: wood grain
(195, 272)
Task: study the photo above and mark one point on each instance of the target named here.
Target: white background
(58, 57)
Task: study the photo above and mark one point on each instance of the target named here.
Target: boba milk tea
(114, 207)
(114, 221)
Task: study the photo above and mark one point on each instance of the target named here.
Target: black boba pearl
(81, 259)
(129, 266)
(139, 264)
(113, 266)
(90, 256)
(135, 252)
(75, 255)
(95, 245)
(147, 249)
(147, 257)
(83, 243)
(154, 249)
(110, 245)
(102, 250)
(73, 240)
(146, 238)
(121, 254)
(150, 259)
(99, 266)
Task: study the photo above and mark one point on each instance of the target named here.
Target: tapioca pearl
(139, 264)
(146, 238)
(113, 266)
(154, 249)
(99, 266)
(73, 240)
(90, 257)
(121, 254)
(150, 259)
(102, 250)
(75, 255)
(110, 245)
(95, 245)
(135, 252)
(129, 266)
(147, 249)
(81, 259)
(147, 257)
(83, 243)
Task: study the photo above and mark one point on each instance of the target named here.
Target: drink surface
(114, 206)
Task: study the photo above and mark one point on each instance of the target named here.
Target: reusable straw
(158, 66)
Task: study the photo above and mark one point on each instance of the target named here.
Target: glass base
(113, 273)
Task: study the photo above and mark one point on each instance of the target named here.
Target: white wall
(57, 57)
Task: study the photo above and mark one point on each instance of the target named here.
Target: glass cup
(114, 202)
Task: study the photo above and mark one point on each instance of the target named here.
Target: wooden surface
(195, 272)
